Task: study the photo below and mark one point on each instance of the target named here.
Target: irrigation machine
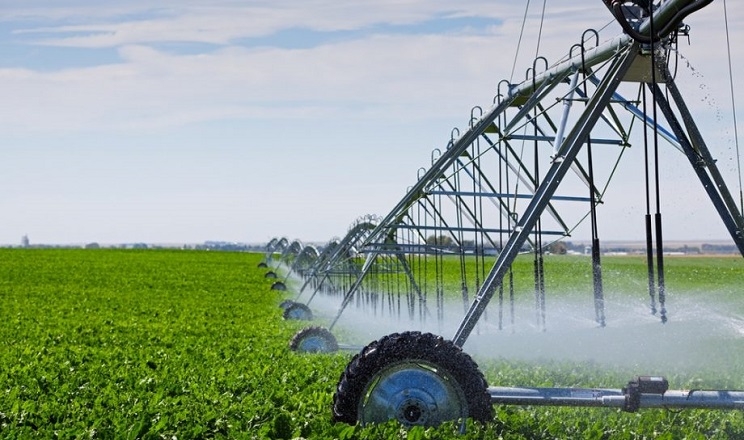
(521, 176)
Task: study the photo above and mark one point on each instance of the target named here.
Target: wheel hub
(413, 394)
(413, 412)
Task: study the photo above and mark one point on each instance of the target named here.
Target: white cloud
(409, 75)
(221, 22)
(382, 71)
(421, 75)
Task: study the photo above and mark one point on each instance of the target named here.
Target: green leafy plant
(106, 343)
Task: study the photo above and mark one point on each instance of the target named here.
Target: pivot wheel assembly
(415, 378)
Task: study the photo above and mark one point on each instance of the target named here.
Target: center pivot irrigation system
(522, 175)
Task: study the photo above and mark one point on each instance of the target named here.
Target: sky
(188, 121)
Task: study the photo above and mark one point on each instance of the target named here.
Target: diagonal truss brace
(568, 152)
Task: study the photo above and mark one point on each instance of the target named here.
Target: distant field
(191, 344)
(571, 275)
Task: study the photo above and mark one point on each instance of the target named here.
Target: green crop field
(572, 274)
(190, 344)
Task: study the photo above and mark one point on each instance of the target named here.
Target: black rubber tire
(407, 346)
(314, 340)
(278, 285)
(298, 312)
(262, 265)
(271, 274)
(286, 303)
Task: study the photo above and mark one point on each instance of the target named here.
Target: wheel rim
(314, 344)
(298, 313)
(414, 393)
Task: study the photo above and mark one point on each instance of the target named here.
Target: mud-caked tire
(412, 371)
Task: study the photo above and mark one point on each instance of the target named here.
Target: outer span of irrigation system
(423, 379)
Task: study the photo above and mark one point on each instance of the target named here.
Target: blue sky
(242, 121)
